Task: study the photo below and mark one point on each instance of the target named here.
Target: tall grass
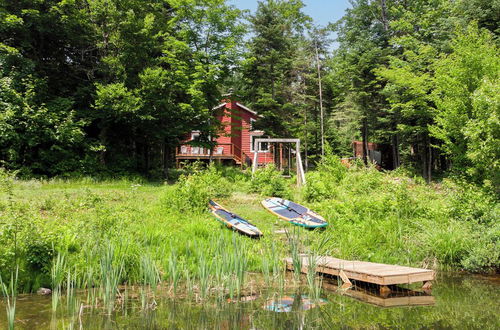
(174, 271)
(203, 274)
(373, 216)
(57, 276)
(10, 292)
(150, 278)
(111, 267)
(294, 245)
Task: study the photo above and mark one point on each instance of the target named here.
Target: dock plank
(377, 273)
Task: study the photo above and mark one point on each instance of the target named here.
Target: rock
(44, 291)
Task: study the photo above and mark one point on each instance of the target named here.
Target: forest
(109, 87)
(97, 95)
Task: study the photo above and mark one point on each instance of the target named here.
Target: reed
(294, 245)
(240, 262)
(57, 277)
(265, 268)
(313, 281)
(150, 277)
(174, 273)
(111, 271)
(203, 272)
(189, 284)
(71, 301)
(10, 293)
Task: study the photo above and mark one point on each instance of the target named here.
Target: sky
(322, 11)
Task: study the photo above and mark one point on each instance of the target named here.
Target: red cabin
(235, 141)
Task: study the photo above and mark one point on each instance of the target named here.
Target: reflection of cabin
(235, 142)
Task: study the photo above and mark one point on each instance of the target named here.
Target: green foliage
(468, 108)
(194, 190)
(446, 225)
(110, 85)
(322, 183)
(120, 231)
(268, 181)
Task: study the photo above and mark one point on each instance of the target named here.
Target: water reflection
(397, 297)
(458, 302)
(293, 303)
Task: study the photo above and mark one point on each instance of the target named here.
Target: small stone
(44, 291)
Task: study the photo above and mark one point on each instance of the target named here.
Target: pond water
(457, 301)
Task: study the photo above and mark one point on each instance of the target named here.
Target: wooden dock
(397, 298)
(369, 272)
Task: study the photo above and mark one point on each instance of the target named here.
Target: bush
(268, 181)
(195, 188)
(322, 184)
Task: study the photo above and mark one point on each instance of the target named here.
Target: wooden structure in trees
(369, 272)
(277, 145)
(234, 143)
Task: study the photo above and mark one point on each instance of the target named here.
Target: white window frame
(252, 121)
(260, 145)
(194, 135)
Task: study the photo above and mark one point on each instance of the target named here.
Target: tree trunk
(320, 103)
(396, 162)
(429, 160)
(103, 138)
(364, 134)
(306, 164)
(385, 21)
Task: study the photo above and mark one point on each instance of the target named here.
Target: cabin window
(195, 135)
(263, 147)
(252, 124)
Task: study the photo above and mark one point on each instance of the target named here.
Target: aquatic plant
(150, 277)
(313, 281)
(57, 277)
(174, 273)
(294, 245)
(10, 293)
(111, 268)
(203, 272)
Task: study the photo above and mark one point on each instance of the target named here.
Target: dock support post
(427, 287)
(347, 283)
(384, 290)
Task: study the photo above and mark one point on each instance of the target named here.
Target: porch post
(255, 156)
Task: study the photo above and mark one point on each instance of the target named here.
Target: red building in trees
(234, 143)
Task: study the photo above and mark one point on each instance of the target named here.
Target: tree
(268, 67)
(421, 35)
(133, 75)
(467, 103)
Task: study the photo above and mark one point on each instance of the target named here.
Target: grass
(135, 233)
(10, 292)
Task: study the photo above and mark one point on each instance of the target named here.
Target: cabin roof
(241, 106)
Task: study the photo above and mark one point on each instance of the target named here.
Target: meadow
(101, 235)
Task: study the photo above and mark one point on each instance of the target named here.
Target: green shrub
(323, 183)
(485, 252)
(469, 203)
(195, 188)
(268, 181)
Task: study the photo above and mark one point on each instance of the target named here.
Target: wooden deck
(221, 151)
(380, 274)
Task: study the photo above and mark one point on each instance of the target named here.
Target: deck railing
(221, 150)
